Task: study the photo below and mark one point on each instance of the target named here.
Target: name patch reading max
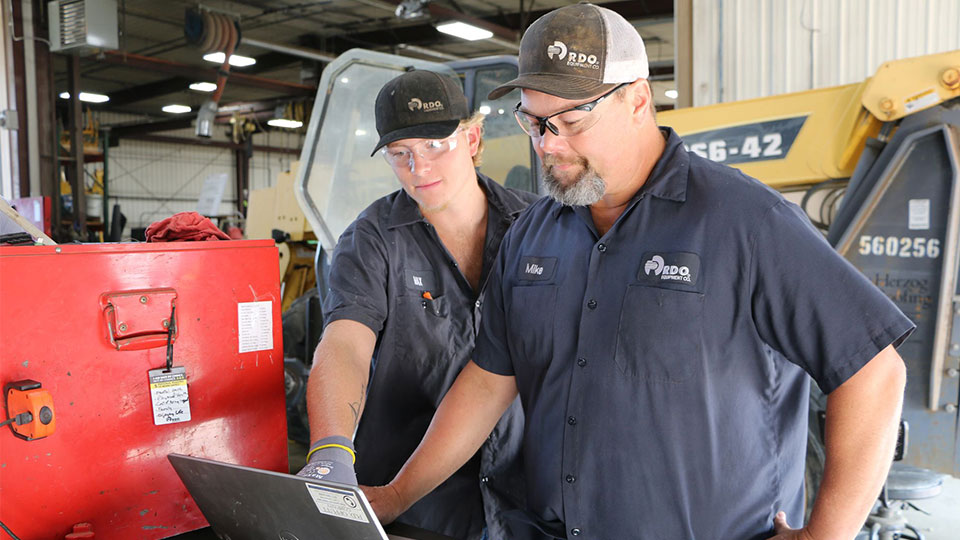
(421, 280)
(537, 268)
(678, 267)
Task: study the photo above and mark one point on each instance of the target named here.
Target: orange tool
(29, 409)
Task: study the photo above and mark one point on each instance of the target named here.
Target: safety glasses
(567, 123)
(430, 149)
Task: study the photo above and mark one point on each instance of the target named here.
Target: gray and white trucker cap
(577, 52)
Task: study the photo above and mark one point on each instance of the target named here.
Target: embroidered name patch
(421, 280)
(537, 268)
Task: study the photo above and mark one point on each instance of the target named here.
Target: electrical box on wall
(83, 26)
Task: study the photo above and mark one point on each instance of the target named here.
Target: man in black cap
(405, 291)
(659, 318)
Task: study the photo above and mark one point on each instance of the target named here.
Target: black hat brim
(563, 86)
(436, 130)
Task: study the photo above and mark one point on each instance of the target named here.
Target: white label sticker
(168, 391)
(335, 502)
(255, 326)
(919, 219)
(211, 194)
(924, 99)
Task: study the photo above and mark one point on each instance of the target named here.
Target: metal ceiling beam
(185, 70)
(143, 92)
(207, 142)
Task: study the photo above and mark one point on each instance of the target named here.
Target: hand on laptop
(385, 501)
(331, 459)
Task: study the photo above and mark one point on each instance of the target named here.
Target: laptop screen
(245, 503)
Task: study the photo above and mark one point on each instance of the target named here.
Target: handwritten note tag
(168, 391)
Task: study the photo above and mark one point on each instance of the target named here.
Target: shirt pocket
(660, 334)
(428, 335)
(530, 318)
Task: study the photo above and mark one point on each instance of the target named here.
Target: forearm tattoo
(356, 406)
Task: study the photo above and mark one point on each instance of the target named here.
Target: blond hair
(475, 120)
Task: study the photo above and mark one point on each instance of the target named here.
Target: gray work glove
(330, 460)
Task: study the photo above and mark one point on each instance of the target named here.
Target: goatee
(584, 190)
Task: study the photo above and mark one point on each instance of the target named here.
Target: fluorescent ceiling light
(235, 59)
(284, 123)
(464, 31)
(345, 80)
(203, 86)
(360, 132)
(88, 97)
(484, 109)
(672, 94)
(176, 109)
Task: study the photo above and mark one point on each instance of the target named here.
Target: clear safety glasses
(566, 123)
(430, 149)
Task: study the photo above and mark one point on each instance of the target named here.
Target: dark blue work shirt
(662, 367)
(383, 264)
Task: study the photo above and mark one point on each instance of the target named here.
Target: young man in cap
(405, 284)
(659, 317)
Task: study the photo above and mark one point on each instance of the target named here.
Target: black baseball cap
(419, 104)
(577, 52)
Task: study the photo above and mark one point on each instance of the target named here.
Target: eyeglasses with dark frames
(536, 126)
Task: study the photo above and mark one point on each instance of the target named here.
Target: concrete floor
(943, 523)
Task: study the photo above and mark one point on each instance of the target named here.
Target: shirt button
(484, 479)
(592, 304)
(478, 304)
(575, 532)
(572, 420)
(581, 362)
(571, 478)
(602, 248)
(423, 303)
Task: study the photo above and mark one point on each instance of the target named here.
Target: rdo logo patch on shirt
(679, 267)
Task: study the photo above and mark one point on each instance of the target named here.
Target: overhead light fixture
(484, 109)
(87, 97)
(203, 86)
(464, 31)
(235, 59)
(360, 132)
(284, 123)
(176, 109)
(672, 94)
(345, 80)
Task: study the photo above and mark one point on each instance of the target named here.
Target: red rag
(184, 227)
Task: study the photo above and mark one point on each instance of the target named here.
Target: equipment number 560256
(899, 246)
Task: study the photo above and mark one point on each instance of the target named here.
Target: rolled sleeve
(812, 305)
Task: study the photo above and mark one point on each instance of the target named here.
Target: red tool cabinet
(88, 322)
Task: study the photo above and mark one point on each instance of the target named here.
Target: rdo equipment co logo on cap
(574, 58)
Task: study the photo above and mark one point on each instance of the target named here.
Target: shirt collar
(668, 178)
(405, 210)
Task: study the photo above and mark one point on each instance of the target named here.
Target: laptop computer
(242, 503)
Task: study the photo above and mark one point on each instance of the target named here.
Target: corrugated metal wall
(153, 180)
(753, 48)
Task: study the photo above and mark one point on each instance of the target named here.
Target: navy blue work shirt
(662, 366)
(383, 264)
